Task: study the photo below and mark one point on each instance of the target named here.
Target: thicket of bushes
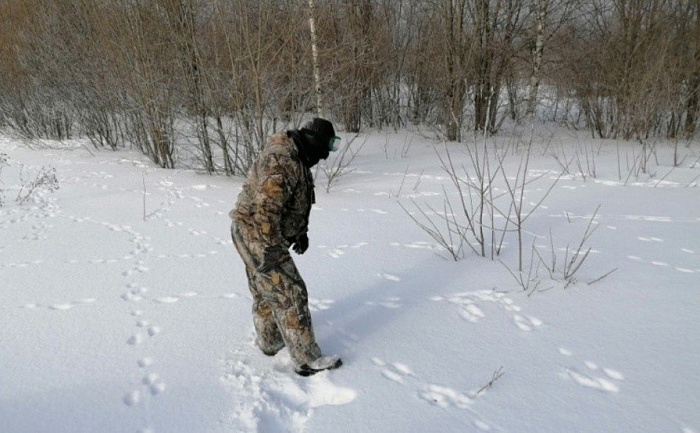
(222, 74)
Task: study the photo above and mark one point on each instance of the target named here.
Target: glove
(301, 244)
(272, 257)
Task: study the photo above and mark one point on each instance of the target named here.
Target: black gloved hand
(301, 244)
(272, 257)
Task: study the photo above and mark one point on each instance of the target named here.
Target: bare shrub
(483, 215)
(30, 185)
(339, 165)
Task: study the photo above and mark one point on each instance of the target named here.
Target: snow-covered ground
(115, 322)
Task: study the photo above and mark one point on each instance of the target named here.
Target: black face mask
(311, 147)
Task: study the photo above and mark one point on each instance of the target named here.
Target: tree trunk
(314, 53)
(694, 98)
(534, 83)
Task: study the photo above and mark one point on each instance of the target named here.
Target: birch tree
(314, 55)
(534, 81)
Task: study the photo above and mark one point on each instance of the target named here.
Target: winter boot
(323, 363)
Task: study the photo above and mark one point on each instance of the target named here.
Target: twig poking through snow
(496, 375)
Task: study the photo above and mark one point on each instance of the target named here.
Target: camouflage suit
(272, 211)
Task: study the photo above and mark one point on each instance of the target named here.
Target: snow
(122, 317)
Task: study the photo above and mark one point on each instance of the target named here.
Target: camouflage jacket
(273, 207)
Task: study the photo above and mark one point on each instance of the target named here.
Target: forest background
(204, 82)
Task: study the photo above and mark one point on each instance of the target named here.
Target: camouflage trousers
(280, 304)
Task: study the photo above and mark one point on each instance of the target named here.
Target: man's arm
(268, 204)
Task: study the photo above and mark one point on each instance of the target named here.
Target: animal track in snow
(472, 313)
(389, 277)
(320, 304)
(438, 395)
(337, 252)
(135, 340)
(132, 398)
(662, 264)
(61, 306)
(591, 377)
(167, 299)
(392, 303)
(377, 211)
(145, 362)
(394, 371)
(445, 397)
(650, 239)
(647, 218)
(416, 245)
(592, 382)
(154, 383)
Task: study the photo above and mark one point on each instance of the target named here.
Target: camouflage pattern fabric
(272, 211)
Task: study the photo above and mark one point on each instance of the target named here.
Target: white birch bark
(314, 54)
(534, 84)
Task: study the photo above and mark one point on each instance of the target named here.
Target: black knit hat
(321, 129)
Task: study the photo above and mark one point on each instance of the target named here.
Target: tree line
(221, 75)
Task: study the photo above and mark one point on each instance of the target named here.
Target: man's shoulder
(279, 150)
(280, 143)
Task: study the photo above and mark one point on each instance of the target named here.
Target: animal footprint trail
(143, 329)
(470, 312)
(391, 303)
(61, 306)
(441, 396)
(340, 250)
(151, 383)
(663, 264)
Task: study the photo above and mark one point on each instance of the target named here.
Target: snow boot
(323, 363)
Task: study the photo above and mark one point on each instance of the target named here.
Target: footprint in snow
(526, 323)
(277, 400)
(591, 377)
(135, 340)
(154, 384)
(649, 239)
(389, 277)
(145, 362)
(132, 398)
(472, 313)
(445, 397)
(437, 395)
(61, 306)
(391, 303)
(395, 372)
(416, 245)
(662, 264)
(337, 252)
(320, 304)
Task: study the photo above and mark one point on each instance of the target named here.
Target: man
(272, 215)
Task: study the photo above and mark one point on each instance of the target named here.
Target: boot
(323, 363)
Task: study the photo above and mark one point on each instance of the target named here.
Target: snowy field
(124, 308)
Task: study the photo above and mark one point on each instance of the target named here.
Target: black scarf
(309, 151)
